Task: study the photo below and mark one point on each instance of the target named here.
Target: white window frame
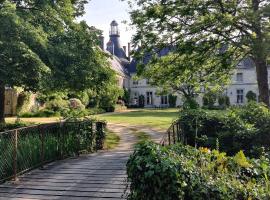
(238, 95)
(239, 77)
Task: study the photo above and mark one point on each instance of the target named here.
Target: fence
(174, 135)
(26, 148)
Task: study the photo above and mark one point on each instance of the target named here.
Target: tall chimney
(129, 49)
(125, 49)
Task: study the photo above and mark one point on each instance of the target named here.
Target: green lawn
(111, 141)
(161, 119)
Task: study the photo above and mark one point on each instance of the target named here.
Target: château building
(243, 79)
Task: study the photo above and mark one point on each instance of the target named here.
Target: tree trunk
(262, 79)
(260, 54)
(2, 103)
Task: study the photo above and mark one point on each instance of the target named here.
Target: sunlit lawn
(160, 119)
(38, 120)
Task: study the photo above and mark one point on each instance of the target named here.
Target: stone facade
(11, 97)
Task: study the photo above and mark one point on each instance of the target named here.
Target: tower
(114, 46)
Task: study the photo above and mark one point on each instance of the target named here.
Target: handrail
(173, 135)
(25, 148)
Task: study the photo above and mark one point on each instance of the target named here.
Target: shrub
(251, 96)
(223, 101)
(57, 105)
(190, 103)
(41, 113)
(209, 99)
(246, 128)
(185, 173)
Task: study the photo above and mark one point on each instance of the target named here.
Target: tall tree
(203, 27)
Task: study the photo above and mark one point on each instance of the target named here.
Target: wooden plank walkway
(97, 176)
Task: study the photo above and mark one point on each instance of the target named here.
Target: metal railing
(174, 135)
(26, 148)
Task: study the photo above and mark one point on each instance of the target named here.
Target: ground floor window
(240, 96)
(149, 98)
(164, 100)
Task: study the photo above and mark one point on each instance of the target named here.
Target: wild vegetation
(244, 128)
(185, 173)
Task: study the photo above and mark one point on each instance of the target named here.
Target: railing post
(178, 132)
(173, 134)
(15, 154)
(42, 146)
(169, 137)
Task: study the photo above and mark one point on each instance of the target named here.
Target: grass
(111, 141)
(142, 136)
(160, 119)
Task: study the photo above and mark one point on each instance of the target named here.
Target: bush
(185, 173)
(41, 113)
(223, 101)
(57, 105)
(190, 103)
(209, 99)
(246, 128)
(251, 96)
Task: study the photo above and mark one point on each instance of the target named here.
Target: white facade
(243, 81)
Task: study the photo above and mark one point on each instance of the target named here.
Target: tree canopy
(44, 48)
(208, 39)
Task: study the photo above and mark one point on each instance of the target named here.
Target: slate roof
(247, 63)
(117, 66)
(134, 62)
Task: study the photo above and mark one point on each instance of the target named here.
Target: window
(239, 77)
(135, 94)
(135, 82)
(240, 96)
(149, 98)
(147, 81)
(164, 100)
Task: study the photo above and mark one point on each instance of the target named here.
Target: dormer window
(239, 77)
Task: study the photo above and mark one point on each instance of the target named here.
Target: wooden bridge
(97, 176)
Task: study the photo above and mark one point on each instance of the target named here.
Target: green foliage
(185, 173)
(245, 128)
(223, 101)
(41, 113)
(172, 100)
(22, 102)
(209, 99)
(251, 96)
(50, 51)
(190, 103)
(126, 96)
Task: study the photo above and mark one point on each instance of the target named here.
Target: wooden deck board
(98, 176)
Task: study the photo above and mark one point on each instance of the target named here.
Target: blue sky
(100, 13)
